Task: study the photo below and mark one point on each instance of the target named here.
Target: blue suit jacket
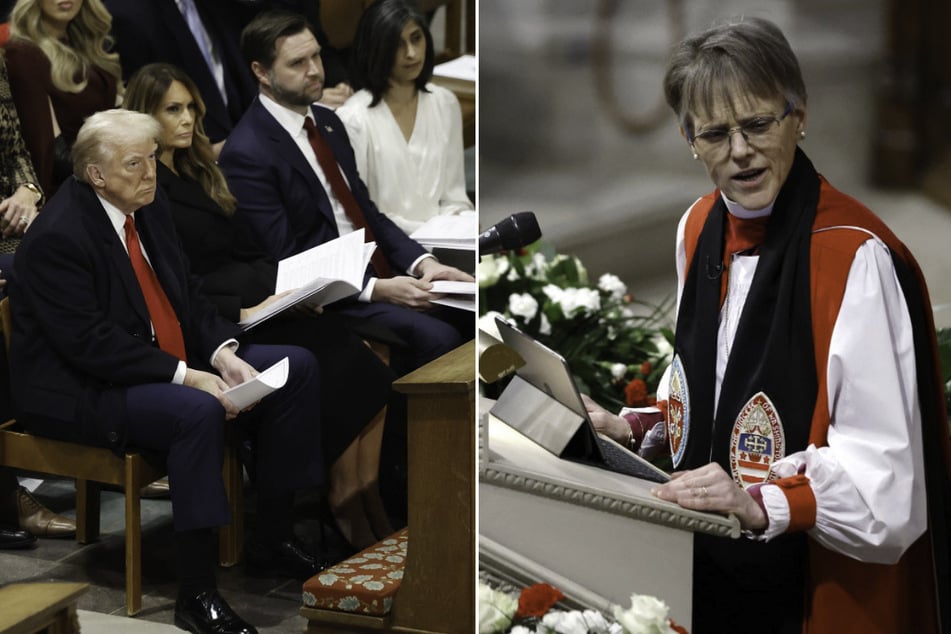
(81, 329)
(283, 201)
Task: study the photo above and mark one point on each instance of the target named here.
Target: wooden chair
(92, 466)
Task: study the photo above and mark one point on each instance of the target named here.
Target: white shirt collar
(740, 211)
(291, 121)
(116, 217)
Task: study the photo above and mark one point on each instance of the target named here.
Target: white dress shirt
(293, 123)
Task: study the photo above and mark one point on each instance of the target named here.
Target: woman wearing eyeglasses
(804, 395)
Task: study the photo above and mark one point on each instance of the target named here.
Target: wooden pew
(437, 592)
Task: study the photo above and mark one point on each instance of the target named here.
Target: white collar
(740, 211)
(116, 217)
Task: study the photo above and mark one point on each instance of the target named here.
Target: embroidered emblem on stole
(678, 411)
(757, 441)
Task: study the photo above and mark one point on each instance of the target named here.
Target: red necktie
(328, 163)
(167, 330)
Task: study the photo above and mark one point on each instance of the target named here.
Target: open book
(319, 276)
(254, 389)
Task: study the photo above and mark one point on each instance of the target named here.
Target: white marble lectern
(596, 535)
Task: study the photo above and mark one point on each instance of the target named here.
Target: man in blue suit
(290, 203)
(114, 345)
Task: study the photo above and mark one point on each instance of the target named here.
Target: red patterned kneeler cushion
(364, 583)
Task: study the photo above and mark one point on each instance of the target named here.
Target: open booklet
(253, 390)
(319, 276)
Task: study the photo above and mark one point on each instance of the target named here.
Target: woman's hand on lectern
(710, 488)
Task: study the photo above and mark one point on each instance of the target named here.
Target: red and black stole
(772, 353)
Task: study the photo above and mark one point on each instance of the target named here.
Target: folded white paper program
(253, 390)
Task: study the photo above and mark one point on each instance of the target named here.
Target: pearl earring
(696, 156)
(802, 134)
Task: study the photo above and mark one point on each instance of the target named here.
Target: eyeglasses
(756, 131)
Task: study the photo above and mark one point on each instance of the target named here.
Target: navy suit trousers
(427, 337)
(189, 426)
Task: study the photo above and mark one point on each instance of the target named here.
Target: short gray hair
(739, 59)
(104, 133)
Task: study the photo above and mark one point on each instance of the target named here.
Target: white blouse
(869, 481)
(410, 181)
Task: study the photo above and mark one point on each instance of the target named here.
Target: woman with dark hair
(406, 132)
(239, 279)
(61, 71)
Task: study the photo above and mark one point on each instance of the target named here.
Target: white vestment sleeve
(869, 481)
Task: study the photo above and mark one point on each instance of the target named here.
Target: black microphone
(714, 272)
(516, 231)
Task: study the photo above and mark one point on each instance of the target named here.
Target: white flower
(487, 321)
(584, 300)
(537, 267)
(612, 285)
(618, 370)
(647, 615)
(496, 610)
(520, 629)
(576, 622)
(554, 293)
(565, 622)
(544, 327)
(490, 269)
(664, 349)
(523, 305)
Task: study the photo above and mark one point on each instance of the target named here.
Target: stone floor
(271, 604)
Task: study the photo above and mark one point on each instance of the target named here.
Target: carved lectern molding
(512, 478)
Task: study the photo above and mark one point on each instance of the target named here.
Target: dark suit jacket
(283, 201)
(148, 31)
(235, 271)
(81, 327)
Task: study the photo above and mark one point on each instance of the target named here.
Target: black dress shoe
(16, 538)
(283, 559)
(207, 613)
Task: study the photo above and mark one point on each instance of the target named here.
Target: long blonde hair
(87, 43)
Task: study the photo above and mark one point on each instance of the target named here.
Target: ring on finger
(703, 492)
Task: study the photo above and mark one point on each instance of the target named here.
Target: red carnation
(536, 600)
(645, 368)
(677, 628)
(636, 393)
